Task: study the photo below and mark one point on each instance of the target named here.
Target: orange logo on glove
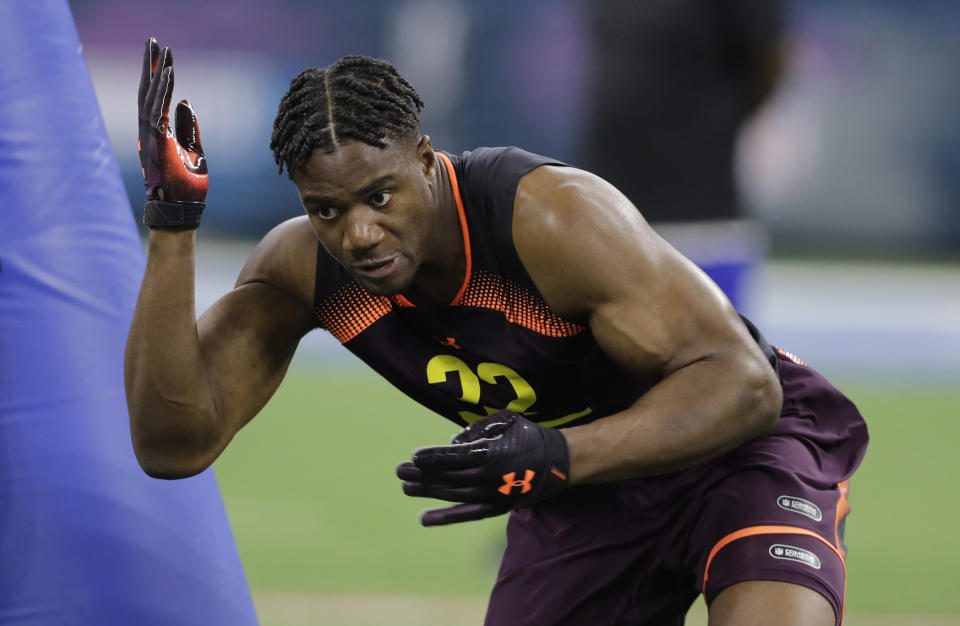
(509, 482)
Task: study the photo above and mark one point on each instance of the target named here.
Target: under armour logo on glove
(482, 466)
(509, 482)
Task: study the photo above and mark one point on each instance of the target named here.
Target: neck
(440, 279)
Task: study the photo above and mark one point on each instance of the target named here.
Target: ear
(426, 157)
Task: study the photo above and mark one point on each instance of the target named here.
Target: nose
(362, 231)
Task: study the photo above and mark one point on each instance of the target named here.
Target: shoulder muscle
(592, 255)
(286, 258)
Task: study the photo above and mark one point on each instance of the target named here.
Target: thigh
(768, 524)
(591, 557)
(775, 508)
(769, 603)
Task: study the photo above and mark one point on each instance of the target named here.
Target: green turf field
(315, 507)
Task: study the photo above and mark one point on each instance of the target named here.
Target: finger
(454, 456)
(448, 477)
(157, 64)
(459, 513)
(446, 492)
(409, 471)
(187, 128)
(460, 477)
(451, 478)
(167, 93)
(149, 62)
(161, 101)
(165, 61)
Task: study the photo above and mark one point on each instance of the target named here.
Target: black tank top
(497, 345)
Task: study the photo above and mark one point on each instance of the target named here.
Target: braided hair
(356, 98)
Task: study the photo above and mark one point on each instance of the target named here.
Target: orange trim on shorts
(843, 509)
(455, 186)
(776, 530)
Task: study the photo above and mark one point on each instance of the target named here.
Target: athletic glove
(496, 464)
(174, 167)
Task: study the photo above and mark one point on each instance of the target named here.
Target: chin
(399, 281)
(379, 290)
(386, 288)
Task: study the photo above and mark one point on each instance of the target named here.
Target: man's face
(373, 209)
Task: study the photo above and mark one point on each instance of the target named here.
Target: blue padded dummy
(86, 538)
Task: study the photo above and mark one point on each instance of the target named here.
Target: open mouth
(377, 269)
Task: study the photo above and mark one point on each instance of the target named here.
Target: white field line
(283, 608)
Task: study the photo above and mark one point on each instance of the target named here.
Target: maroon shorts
(639, 552)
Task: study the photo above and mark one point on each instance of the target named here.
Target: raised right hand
(174, 166)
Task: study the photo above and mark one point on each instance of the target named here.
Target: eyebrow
(370, 187)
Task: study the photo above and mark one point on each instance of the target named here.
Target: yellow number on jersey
(442, 365)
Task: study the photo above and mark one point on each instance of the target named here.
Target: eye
(325, 213)
(380, 199)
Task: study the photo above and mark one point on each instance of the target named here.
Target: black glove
(174, 167)
(496, 464)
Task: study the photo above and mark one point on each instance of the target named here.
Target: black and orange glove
(496, 464)
(174, 167)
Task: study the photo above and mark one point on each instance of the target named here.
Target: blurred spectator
(674, 81)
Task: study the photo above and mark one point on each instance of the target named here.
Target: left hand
(496, 464)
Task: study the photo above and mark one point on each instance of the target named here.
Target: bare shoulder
(593, 256)
(579, 237)
(286, 258)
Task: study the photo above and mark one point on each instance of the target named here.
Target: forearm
(172, 409)
(693, 415)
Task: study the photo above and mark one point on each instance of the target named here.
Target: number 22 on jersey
(443, 365)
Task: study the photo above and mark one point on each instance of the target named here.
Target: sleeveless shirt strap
(763, 343)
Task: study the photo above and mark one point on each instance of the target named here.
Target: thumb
(187, 128)
(488, 427)
(188, 136)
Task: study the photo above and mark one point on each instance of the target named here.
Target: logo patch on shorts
(801, 506)
(791, 553)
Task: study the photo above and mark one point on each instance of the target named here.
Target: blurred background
(843, 176)
(860, 134)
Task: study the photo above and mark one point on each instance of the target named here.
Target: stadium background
(854, 167)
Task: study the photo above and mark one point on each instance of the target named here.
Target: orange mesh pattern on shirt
(793, 357)
(350, 310)
(488, 291)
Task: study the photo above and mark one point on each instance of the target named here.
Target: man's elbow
(171, 458)
(765, 397)
(168, 468)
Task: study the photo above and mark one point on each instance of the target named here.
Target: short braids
(357, 98)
